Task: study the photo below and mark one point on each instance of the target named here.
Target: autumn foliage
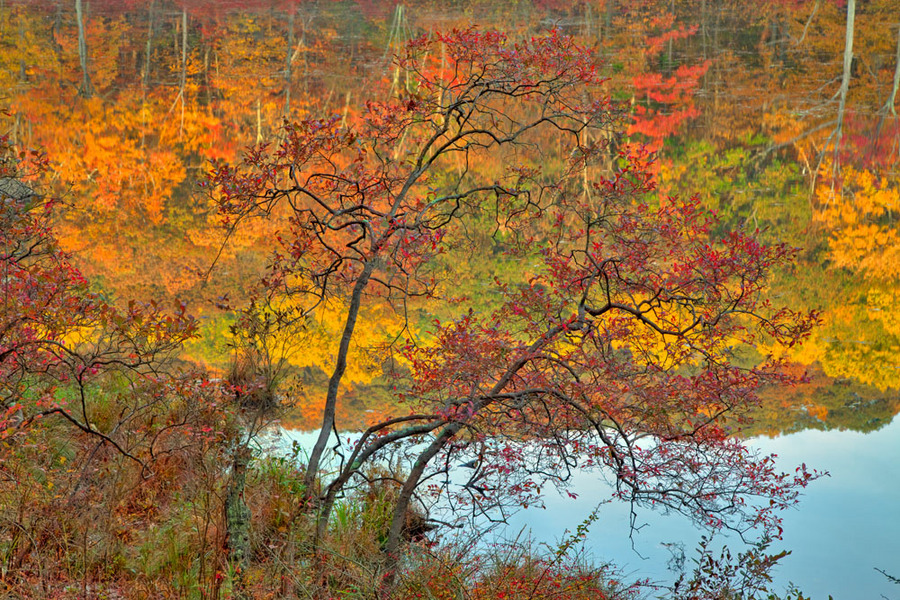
(89, 410)
(631, 336)
(616, 346)
(56, 331)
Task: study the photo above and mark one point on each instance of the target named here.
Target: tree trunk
(809, 19)
(237, 517)
(588, 21)
(398, 520)
(23, 67)
(889, 105)
(183, 83)
(146, 79)
(608, 12)
(669, 55)
(717, 64)
(340, 365)
(845, 81)
(86, 88)
(288, 75)
(359, 457)
(259, 137)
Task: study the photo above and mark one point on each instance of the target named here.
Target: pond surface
(737, 97)
(845, 526)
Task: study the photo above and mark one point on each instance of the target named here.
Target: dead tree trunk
(86, 88)
(237, 517)
(889, 105)
(845, 80)
(288, 74)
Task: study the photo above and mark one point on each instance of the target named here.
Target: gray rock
(15, 189)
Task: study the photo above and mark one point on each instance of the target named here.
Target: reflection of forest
(824, 403)
(742, 106)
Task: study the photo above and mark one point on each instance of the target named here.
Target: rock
(15, 189)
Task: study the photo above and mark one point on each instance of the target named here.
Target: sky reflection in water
(844, 527)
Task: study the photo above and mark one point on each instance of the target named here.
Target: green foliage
(745, 187)
(746, 576)
(167, 551)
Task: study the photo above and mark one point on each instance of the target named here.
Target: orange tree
(616, 346)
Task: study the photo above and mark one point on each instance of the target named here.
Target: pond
(738, 98)
(843, 530)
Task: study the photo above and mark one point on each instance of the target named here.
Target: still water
(845, 527)
(737, 97)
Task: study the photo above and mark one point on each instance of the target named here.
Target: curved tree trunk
(340, 366)
(398, 519)
(362, 454)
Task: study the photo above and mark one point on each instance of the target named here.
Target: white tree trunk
(845, 81)
(890, 103)
(86, 88)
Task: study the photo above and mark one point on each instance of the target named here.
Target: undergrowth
(78, 519)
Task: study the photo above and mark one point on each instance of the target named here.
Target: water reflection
(736, 101)
(730, 99)
(845, 526)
